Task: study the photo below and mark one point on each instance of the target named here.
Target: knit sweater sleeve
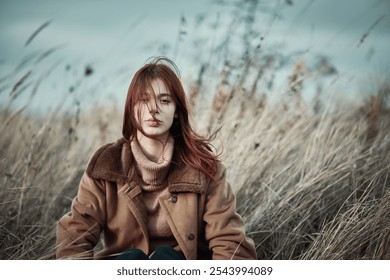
(225, 228)
(79, 230)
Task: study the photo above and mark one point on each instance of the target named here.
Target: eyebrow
(164, 95)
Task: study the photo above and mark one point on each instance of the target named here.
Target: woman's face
(156, 120)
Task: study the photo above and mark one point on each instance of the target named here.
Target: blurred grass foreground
(312, 180)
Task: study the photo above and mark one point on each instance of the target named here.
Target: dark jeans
(161, 253)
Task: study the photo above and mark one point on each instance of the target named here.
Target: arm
(79, 230)
(225, 229)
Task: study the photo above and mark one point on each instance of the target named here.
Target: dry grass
(310, 185)
(42, 160)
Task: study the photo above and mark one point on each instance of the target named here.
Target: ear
(176, 116)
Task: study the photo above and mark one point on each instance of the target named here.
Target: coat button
(173, 199)
(190, 236)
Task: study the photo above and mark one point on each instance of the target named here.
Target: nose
(153, 108)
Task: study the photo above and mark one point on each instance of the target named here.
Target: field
(311, 175)
(311, 182)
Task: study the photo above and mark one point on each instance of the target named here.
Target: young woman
(159, 192)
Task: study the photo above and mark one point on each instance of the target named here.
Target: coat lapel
(133, 195)
(184, 178)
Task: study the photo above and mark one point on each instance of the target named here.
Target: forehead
(157, 87)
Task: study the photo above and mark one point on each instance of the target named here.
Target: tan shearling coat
(201, 213)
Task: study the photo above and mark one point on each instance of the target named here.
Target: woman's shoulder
(220, 173)
(110, 162)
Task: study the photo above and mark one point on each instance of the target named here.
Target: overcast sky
(118, 36)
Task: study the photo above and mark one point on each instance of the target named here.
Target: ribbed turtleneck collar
(153, 173)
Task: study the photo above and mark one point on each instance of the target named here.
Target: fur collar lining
(114, 162)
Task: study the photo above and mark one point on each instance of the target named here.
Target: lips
(153, 122)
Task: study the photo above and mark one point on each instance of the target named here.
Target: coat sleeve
(79, 230)
(224, 227)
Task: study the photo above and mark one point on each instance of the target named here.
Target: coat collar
(114, 162)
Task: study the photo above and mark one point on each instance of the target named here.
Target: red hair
(191, 148)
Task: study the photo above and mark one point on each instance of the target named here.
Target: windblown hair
(191, 148)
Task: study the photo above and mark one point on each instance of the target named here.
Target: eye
(165, 101)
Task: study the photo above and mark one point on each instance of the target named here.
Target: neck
(152, 148)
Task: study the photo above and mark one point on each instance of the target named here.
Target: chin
(157, 134)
